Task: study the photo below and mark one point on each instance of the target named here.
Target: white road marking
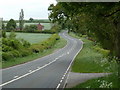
(62, 78)
(58, 86)
(15, 76)
(61, 81)
(70, 66)
(67, 52)
(30, 70)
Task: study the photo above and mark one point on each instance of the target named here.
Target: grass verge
(90, 60)
(109, 81)
(59, 44)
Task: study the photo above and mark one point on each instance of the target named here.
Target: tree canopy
(98, 20)
(11, 25)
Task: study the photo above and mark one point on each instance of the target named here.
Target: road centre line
(69, 66)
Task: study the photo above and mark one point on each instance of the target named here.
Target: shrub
(12, 35)
(7, 55)
(25, 52)
(101, 50)
(25, 43)
(30, 28)
(4, 34)
(6, 48)
(16, 53)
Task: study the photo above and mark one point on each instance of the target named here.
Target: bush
(13, 48)
(25, 52)
(102, 51)
(7, 55)
(6, 48)
(25, 43)
(12, 35)
(30, 28)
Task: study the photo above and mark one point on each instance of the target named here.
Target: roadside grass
(109, 81)
(59, 44)
(90, 60)
(31, 37)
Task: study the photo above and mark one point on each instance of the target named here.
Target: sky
(36, 9)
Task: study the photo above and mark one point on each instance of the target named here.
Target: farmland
(32, 37)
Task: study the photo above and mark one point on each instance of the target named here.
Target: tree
(3, 26)
(21, 20)
(11, 25)
(31, 19)
(30, 28)
(100, 21)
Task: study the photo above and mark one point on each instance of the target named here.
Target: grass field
(59, 44)
(32, 37)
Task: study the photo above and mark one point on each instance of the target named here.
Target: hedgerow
(13, 48)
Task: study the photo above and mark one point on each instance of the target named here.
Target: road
(47, 72)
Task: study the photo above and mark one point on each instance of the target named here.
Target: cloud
(32, 8)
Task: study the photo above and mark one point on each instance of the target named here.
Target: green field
(32, 37)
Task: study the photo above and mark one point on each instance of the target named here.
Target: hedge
(25, 50)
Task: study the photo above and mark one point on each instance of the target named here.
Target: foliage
(3, 26)
(56, 28)
(30, 28)
(12, 35)
(4, 33)
(11, 25)
(88, 18)
(21, 19)
(31, 19)
(13, 48)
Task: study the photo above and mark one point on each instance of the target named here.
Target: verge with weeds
(94, 59)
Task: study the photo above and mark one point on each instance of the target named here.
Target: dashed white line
(58, 86)
(69, 67)
(15, 76)
(62, 78)
(61, 81)
(30, 70)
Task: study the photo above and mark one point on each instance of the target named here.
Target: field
(32, 37)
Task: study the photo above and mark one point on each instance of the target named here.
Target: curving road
(47, 72)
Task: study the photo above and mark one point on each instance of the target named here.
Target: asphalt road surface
(47, 72)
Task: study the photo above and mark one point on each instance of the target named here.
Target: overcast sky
(37, 9)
